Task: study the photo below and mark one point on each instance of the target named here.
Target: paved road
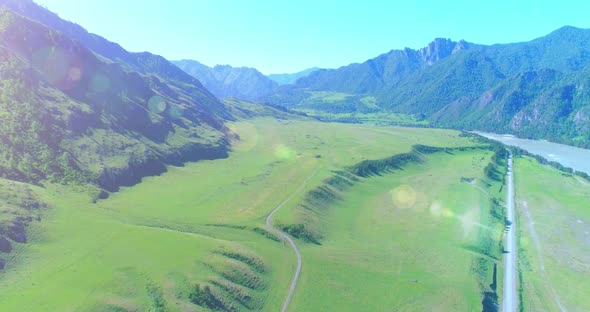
(509, 302)
(286, 237)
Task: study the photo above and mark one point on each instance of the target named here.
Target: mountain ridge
(225, 81)
(291, 78)
(144, 63)
(70, 115)
(435, 80)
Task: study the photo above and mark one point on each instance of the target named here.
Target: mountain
(441, 83)
(70, 113)
(383, 71)
(225, 81)
(544, 103)
(144, 63)
(285, 79)
(564, 50)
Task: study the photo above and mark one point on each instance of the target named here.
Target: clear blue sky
(277, 36)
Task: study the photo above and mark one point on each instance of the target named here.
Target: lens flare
(174, 112)
(284, 152)
(436, 208)
(404, 196)
(447, 213)
(469, 222)
(157, 104)
(75, 74)
(99, 83)
(58, 68)
(248, 136)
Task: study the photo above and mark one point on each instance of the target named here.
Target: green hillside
(152, 246)
(67, 115)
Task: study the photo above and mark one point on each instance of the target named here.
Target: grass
(148, 246)
(401, 241)
(328, 97)
(369, 101)
(554, 261)
(351, 108)
(372, 118)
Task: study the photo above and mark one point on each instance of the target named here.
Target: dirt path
(286, 237)
(537, 243)
(581, 180)
(509, 301)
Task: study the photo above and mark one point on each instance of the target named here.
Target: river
(569, 156)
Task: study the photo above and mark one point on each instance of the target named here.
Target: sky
(286, 36)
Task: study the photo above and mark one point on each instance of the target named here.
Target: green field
(554, 230)
(404, 241)
(147, 247)
(351, 108)
(376, 118)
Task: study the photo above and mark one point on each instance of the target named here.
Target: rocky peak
(441, 48)
(460, 46)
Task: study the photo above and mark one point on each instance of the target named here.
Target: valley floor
(406, 241)
(408, 238)
(554, 229)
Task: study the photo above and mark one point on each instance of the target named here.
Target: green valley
(150, 245)
(421, 179)
(407, 240)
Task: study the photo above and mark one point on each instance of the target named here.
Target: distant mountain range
(535, 89)
(285, 79)
(226, 81)
(247, 83)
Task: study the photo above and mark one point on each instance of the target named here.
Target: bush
(266, 233)
(583, 175)
(205, 298)
(301, 232)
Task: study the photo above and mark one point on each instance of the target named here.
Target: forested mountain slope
(69, 114)
(458, 84)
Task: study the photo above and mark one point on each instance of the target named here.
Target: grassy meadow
(405, 241)
(554, 231)
(373, 118)
(147, 247)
